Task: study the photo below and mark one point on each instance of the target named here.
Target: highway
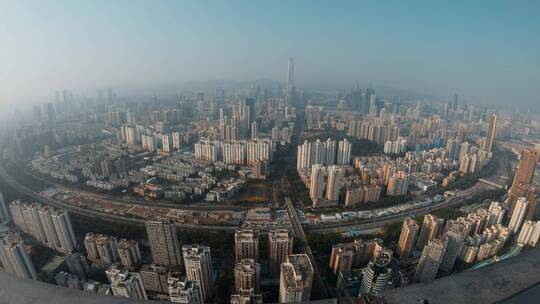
(301, 236)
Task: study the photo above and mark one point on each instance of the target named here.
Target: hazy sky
(487, 51)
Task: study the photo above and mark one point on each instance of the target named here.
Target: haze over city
(485, 51)
(250, 152)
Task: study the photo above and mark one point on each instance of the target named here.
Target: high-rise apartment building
(4, 213)
(280, 245)
(488, 144)
(246, 243)
(155, 278)
(342, 257)
(198, 264)
(184, 291)
(407, 238)
(247, 275)
(296, 279)
(523, 176)
(316, 188)
(344, 152)
(127, 284)
(333, 186)
(431, 227)
(431, 259)
(398, 184)
(15, 259)
(129, 253)
(454, 238)
(377, 274)
(49, 226)
(246, 296)
(163, 242)
(517, 217)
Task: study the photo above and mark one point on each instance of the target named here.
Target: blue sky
(487, 51)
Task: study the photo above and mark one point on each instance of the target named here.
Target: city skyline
(429, 49)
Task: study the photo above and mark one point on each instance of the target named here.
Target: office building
(431, 228)
(377, 274)
(198, 264)
(247, 275)
(246, 245)
(184, 291)
(407, 238)
(430, 261)
(280, 245)
(163, 242)
(296, 279)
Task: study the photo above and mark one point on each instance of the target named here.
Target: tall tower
(198, 263)
(163, 242)
(246, 245)
(431, 259)
(407, 237)
(377, 274)
(488, 144)
(290, 81)
(280, 244)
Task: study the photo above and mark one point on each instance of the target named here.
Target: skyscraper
(521, 185)
(377, 274)
(407, 238)
(155, 278)
(198, 264)
(295, 279)
(431, 227)
(280, 244)
(431, 259)
(333, 186)
(488, 144)
(290, 81)
(246, 245)
(247, 275)
(15, 260)
(163, 242)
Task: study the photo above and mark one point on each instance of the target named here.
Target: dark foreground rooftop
(490, 284)
(14, 290)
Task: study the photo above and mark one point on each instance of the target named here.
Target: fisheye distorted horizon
(486, 51)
